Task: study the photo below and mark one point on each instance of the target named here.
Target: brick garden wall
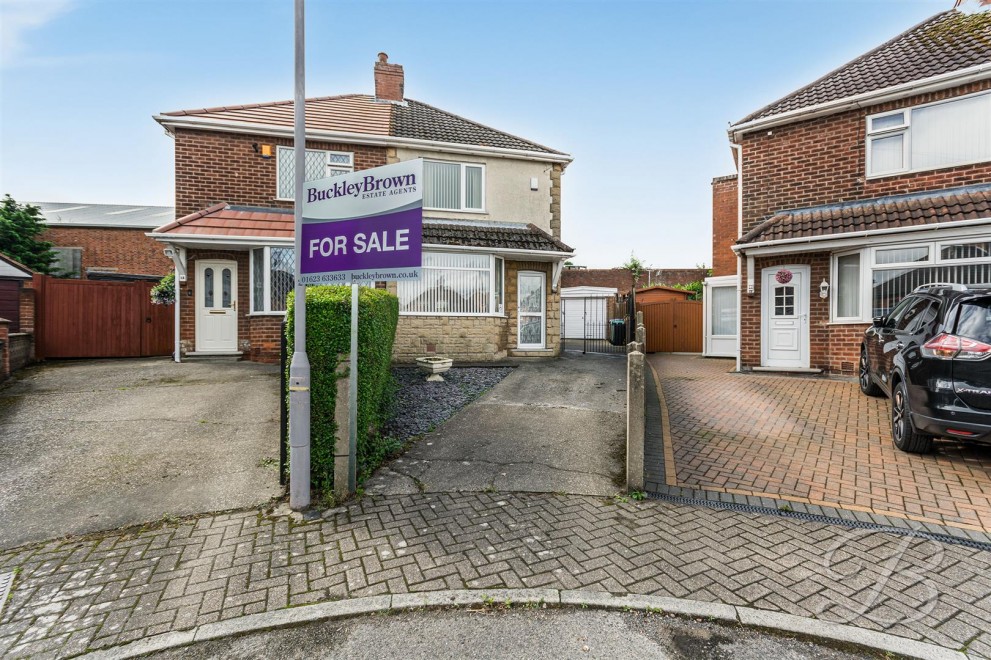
(223, 167)
(120, 250)
(725, 225)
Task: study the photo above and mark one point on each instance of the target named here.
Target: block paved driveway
(812, 440)
(71, 596)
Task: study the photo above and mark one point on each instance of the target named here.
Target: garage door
(584, 318)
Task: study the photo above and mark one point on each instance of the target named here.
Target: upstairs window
(453, 186)
(928, 137)
(319, 165)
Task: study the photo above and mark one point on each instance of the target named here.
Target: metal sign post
(353, 395)
(299, 369)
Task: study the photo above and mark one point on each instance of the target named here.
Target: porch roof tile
(222, 220)
(899, 211)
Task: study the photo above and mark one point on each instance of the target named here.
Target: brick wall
(21, 350)
(620, 278)
(121, 250)
(27, 307)
(834, 348)
(822, 161)
(224, 167)
(725, 225)
(479, 338)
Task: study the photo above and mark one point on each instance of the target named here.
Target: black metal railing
(596, 326)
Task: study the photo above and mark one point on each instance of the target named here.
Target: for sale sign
(364, 226)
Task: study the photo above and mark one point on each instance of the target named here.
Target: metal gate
(586, 327)
(90, 319)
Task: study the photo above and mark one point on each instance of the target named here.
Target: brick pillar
(556, 171)
(27, 299)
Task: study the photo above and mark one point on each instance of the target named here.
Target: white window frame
(266, 280)
(868, 264)
(463, 186)
(330, 167)
(494, 262)
(906, 130)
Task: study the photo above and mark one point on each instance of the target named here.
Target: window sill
(849, 322)
(435, 315)
(265, 314)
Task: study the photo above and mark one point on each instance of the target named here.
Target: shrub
(163, 293)
(328, 336)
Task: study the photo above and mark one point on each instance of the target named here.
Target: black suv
(932, 355)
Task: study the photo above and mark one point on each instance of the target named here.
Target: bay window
(319, 165)
(931, 136)
(455, 284)
(272, 278)
(453, 186)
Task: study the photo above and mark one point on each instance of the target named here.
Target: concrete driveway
(551, 426)
(98, 444)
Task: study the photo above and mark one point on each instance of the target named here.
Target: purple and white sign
(363, 226)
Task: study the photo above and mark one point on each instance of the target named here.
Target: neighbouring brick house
(492, 222)
(856, 189)
(106, 241)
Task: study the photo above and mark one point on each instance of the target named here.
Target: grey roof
(513, 236)
(891, 212)
(11, 269)
(425, 122)
(117, 216)
(944, 43)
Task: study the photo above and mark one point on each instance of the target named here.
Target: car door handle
(899, 346)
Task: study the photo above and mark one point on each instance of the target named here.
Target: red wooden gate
(87, 318)
(673, 326)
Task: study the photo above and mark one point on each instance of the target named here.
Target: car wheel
(867, 384)
(903, 430)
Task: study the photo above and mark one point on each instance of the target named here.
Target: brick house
(106, 241)
(492, 223)
(854, 190)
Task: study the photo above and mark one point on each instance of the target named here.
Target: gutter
(172, 123)
(857, 101)
(803, 240)
(739, 259)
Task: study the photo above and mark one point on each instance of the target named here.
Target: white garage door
(576, 310)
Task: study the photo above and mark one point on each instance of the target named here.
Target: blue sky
(640, 93)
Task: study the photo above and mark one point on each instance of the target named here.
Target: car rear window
(975, 320)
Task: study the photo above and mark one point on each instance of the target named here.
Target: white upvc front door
(530, 308)
(216, 306)
(785, 318)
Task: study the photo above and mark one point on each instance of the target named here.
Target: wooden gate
(90, 319)
(673, 326)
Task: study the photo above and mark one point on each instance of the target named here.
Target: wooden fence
(90, 319)
(673, 326)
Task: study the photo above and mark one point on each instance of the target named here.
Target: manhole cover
(6, 579)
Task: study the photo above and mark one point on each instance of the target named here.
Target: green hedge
(328, 335)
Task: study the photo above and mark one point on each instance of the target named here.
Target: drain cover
(6, 579)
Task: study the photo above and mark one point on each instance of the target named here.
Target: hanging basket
(783, 276)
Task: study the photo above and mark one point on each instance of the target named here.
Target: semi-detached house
(493, 253)
(851, 192)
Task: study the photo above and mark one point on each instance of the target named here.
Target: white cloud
(18, 18)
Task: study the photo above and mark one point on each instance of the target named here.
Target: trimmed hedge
(328, 336)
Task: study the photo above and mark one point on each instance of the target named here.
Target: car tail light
(947, 347)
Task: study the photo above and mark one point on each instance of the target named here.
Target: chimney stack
(389, 80)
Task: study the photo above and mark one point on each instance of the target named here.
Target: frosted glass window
(473, 188)
(888, 154)
(848, 286)
(258, 279)
(951, 133)
(319, 165)
(208, 287)
(226, 288)
(723, 310)
(442, 189)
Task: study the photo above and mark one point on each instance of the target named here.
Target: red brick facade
(725, 225)
(224, 167)
(621, 279)
(119, 250)
(810, 163)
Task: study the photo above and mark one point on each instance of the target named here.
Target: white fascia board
(509, 253)
(939, 231)
(922, 86)
(222, 126)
